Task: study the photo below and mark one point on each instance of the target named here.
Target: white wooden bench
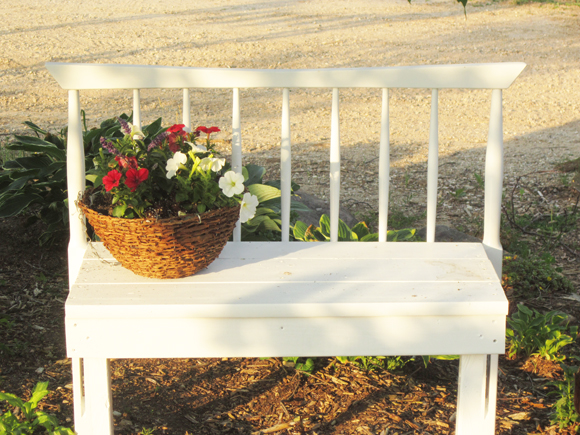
(291, 298)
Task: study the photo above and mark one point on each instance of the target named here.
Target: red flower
(111, 179)
(175, 128)
(136, 177)
(175, 131)
(206, 130)
(127, 162)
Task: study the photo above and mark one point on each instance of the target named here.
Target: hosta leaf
(264, 192)
(17, 203)
(300, 230)
(344, 232)
(37, 145)
(361, 229)
(33, 162)
(372, 237)
(325, 225)
(254, 173)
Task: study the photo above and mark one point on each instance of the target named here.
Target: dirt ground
(541, 129)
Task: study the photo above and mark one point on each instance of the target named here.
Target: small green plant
(459, 193)
(534, 276)
(479, 180)
(26, 419)
(533, 333)
(563, 412)
(372, 363)
(303, 365)
(360, 232)
(146, 431)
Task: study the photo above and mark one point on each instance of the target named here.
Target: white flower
(232, 183)
(216, 165)
(173, 164)
(248, 207)
(136, 134)
(197, 148)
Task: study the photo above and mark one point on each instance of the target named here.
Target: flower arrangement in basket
(164, 205)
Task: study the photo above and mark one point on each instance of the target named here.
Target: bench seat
(289, 299)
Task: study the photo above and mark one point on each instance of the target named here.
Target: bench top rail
(469, 76)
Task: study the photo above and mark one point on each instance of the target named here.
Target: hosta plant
(360, 232)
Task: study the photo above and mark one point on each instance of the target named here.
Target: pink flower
(111, 179)
(135, 178)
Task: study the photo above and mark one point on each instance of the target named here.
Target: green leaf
(264, 192)
(325, 225)
(253, 174)
(12, 400)
(361, 229)
(300, 230)
(34, 162)
(36, 145)
(314, 235)
(344, 232)
(17, 203)
(40, 390)
(372, 237)
(264, 223)
(153, 128)
(35, 127)
(119, 211)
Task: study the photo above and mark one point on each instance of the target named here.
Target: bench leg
(476, 396)
(93, 399)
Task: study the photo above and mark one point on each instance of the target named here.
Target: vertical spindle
(433, 166)
(137, 109)
(285, 166)
(186, 110)
(75, 172)
(334, 167)
(236, 148)
(384, 168)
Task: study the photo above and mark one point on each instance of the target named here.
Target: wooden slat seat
(272, 299)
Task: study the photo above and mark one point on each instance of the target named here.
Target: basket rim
(148, 221)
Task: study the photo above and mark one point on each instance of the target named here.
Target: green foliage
(427, 358)
(36, 182)
(359, 233)
(27, 420)
(563, 412)
(533, 276)
(265, 225)
(532, 333)
(372, 363)
(303, 365)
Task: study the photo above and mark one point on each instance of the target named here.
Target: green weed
(26, 419)
(534, 276)
(563, 412)
(532, 333)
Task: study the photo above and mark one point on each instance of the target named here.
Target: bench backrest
(495, 76)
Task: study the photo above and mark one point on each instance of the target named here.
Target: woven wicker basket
(165, 248)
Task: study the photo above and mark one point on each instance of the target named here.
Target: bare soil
(541, 125)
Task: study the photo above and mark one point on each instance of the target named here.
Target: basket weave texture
(165, 248)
